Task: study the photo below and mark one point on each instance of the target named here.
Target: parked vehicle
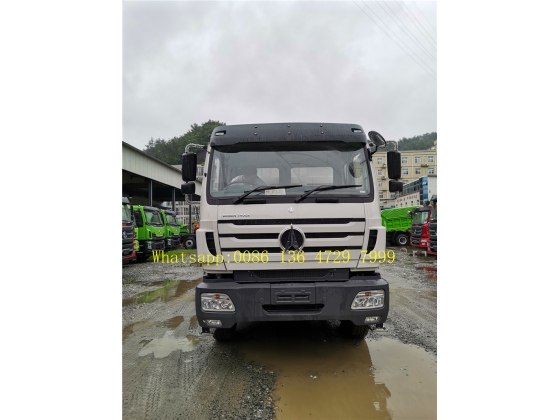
(432, 228)
(188, 239)
(172, 229)
(419, 230)
(128, 235)
(290, 226)
(149, 223)
(397, 222)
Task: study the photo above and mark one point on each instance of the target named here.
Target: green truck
(151, 231)
(397, 223)
(172, 229)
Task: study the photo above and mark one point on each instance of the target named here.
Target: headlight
(216, 302)
(371, 299)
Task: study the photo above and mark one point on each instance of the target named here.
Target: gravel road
(276, 370)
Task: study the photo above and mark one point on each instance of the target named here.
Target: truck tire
(189, 243)
(224, 334)
(351, 330)
(402, 239)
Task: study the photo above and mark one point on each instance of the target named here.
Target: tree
(170, 151)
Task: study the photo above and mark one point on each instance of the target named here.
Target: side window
(138, 218)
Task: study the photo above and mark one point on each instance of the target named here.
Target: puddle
(170, 291)
(336, 379)
(193, 323)
(174, 322)
(410, 373)
(135, 327)
(171, 323)
(162, 347)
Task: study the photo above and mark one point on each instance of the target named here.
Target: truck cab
(432, 228)
(128, 232)
(290, 227)
(172, 229)
(419, 235)
(151, 231)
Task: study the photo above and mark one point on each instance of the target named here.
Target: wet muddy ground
(282, 370)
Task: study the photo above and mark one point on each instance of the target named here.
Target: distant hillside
(170, 151)
(423, 142)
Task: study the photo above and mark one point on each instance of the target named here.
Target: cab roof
(264, 133)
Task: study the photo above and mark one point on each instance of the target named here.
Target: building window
(430, 159)
(380, 184)
(431, 171)
(379, 172)
(405, 171)
(417, 159)
(381, 195)
(379, 161)
(404, 160)
(417, 171)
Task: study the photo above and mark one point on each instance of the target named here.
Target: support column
(150, 192)
(173, 199)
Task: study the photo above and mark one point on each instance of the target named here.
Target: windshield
(171, 220)
(126, 217)
(154, 218)
(420, 216)
(242, 167)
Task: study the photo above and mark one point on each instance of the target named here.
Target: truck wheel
(189, 243)
(402, 239)
(224, 334)
(351, 330)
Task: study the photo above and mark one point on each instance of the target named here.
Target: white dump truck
(290, 226)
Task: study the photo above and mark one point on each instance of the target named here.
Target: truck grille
(416, 231)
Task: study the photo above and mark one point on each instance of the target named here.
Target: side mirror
(395, 186)
(377, 138)
(394, 164)
(409, 214)
(188, 188)
(189, 167)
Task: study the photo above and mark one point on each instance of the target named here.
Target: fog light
(213, 322)
(216, 302)
(371, 299)
(372, 319)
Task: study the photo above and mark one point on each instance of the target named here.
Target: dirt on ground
(284, 370)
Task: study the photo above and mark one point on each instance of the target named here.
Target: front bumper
(267, 301)
(146, 247)
(172, 243)
(420, 242)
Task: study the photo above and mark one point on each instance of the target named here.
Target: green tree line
(170, 151)
(423, 142)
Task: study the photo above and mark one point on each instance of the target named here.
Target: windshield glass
(126, 217)
(153, 218)
(171, 220)
(241, 167)
(420, 216)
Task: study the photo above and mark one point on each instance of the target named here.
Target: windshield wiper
(262, 188)
(323, 188)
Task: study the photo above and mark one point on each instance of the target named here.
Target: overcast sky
(259, 62)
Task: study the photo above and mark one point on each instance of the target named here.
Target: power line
(396, 36)
(413, 40)
(420, 10)
(418, 22)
